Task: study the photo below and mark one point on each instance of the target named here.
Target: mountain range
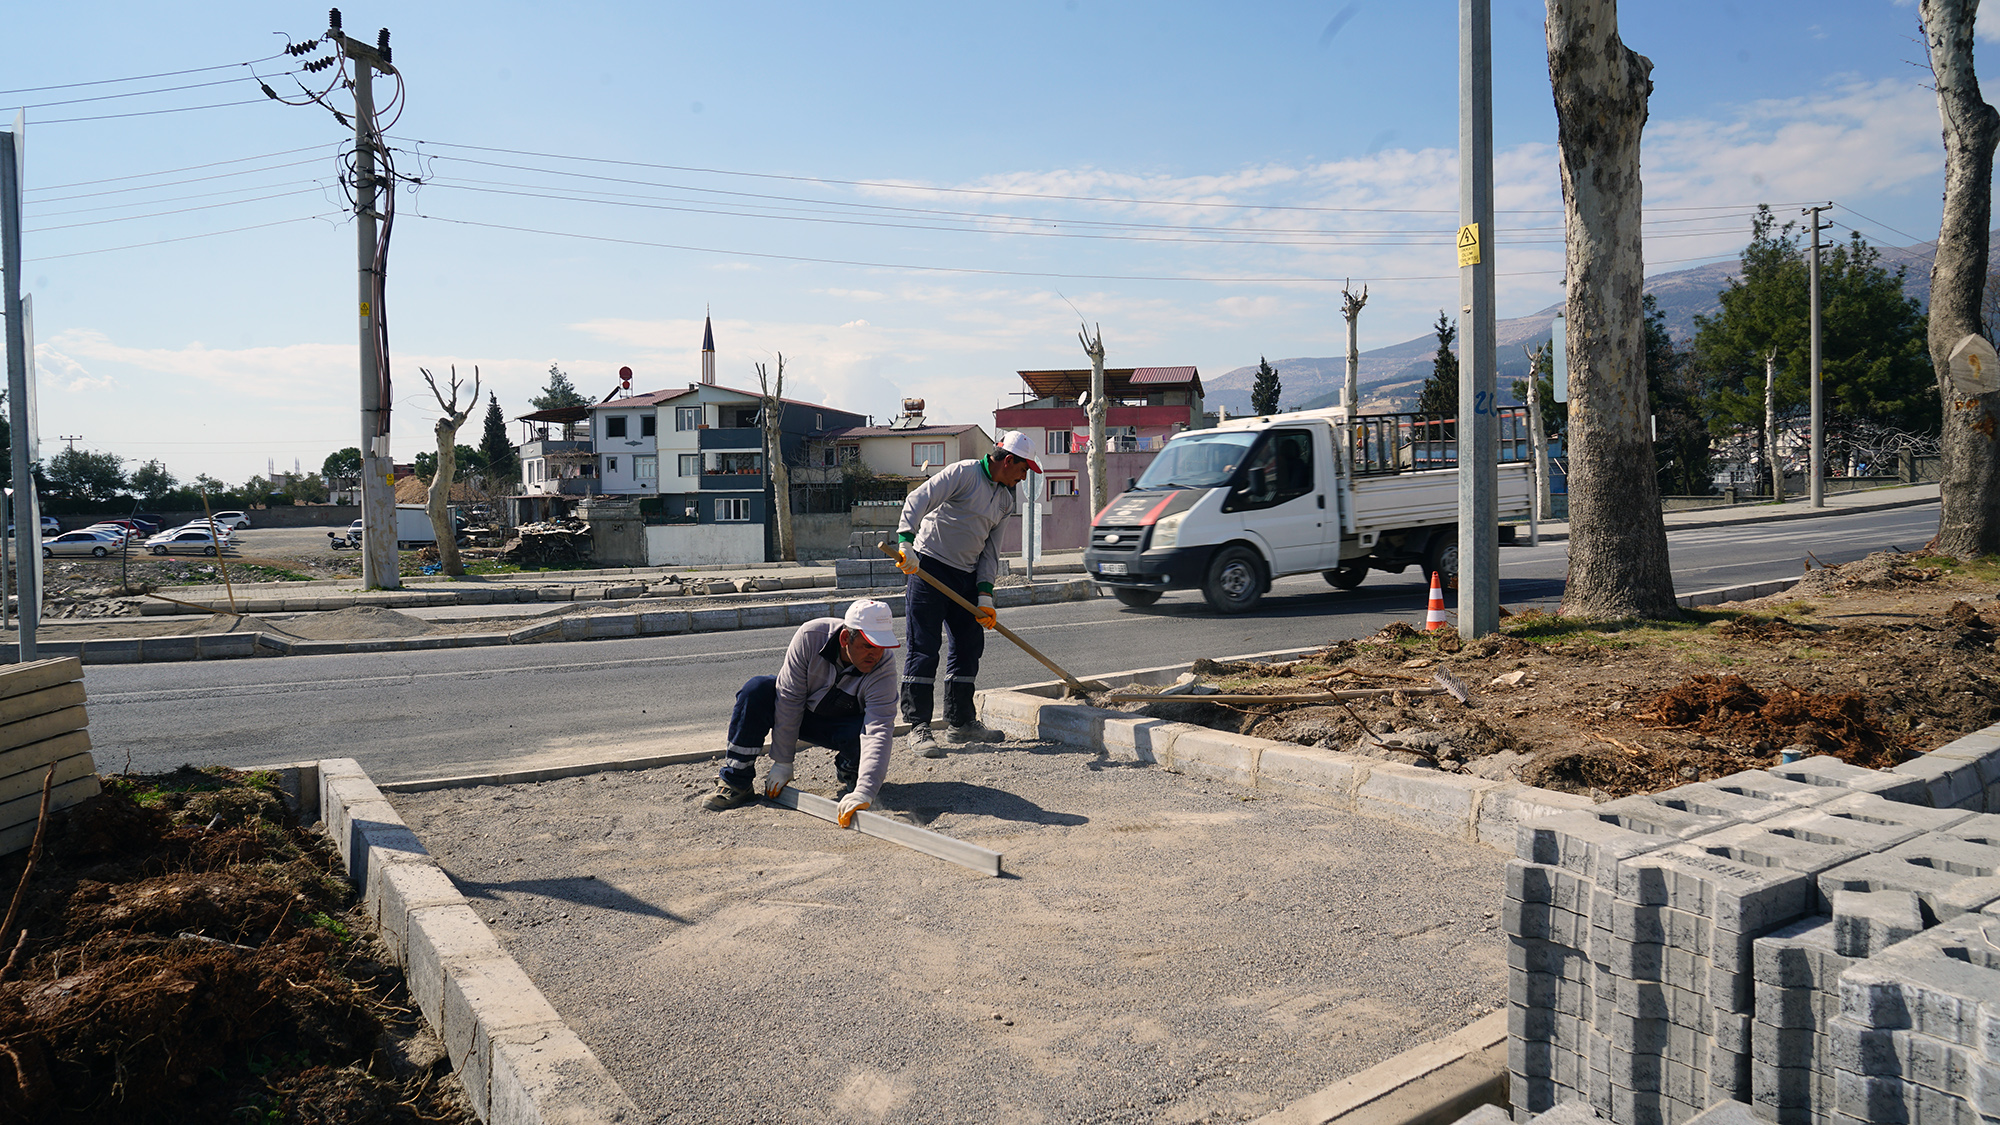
(1391, 377)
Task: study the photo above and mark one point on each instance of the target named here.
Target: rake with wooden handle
(1071, 685)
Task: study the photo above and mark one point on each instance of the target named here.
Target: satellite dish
(1974, 368)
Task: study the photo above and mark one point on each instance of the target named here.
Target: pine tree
(1440, 393)
(559, 393)
(501, 462)
(1264, 392)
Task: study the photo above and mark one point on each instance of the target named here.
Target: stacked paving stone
(42, 742)
(1756, 939)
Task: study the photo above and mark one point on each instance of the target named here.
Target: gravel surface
(1162, 949)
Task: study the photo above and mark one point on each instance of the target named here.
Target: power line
(175, 211)
(173, 199)
(141, 93)
(188, 168)
(171, 183)
(149, 112)
(139, 77)
(1914, 240)
(183, 238)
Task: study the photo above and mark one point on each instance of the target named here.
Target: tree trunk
(1618, 563)
(438, 500)
(1100, 488)
(1771, 426)
(1350, 389)
(774, 457)
(1538, 437)
(1969, 489)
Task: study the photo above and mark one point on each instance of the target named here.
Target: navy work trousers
(927, 617)
(750, 722)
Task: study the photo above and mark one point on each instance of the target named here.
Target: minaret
(707, 350)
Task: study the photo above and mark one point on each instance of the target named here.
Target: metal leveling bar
(896, 832)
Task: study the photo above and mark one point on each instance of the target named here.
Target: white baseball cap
(874, 621)
(1017, 443)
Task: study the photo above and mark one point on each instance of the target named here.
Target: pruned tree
(1350, 309)
(1969, 484)
(1100, 487)
(1541, 360)
(439, 497)
(1618, 564)
(1264, 392)
(1440, 391)
(151, 481)
(773, 418)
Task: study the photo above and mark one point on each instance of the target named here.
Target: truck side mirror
(1131, 483)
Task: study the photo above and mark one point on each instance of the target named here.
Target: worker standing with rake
(951, 528)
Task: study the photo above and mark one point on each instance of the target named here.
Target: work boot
(848, 779)
(923, 743)
(973, 731)
(727, 796)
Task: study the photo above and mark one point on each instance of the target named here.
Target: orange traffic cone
(1435, 618)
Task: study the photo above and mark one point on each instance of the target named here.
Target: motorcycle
(349, 540)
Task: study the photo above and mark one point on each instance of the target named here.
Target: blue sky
(1197, 178)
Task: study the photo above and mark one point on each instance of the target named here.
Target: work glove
(906, 559)
(849, 805)
(774, 782)
(985, 614)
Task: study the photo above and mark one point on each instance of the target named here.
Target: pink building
(1148, 405)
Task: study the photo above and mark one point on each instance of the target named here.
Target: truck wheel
(1235, 580)
(1135, 597)
(1346, 577)
(1441, 556)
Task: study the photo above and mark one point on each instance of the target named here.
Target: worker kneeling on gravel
(836, 688)
(951, 527)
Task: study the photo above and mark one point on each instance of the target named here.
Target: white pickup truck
(1228, 510)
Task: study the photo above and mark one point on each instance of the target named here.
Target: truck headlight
(1167, 532)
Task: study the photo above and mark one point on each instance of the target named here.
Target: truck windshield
(1197, 460)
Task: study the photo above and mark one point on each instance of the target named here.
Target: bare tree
(773, 416)
(1618, 542)
(1350, 307)
(439, 497)
(1969, 485)
(1540, 359)
(1100, 488)
(1771, 457)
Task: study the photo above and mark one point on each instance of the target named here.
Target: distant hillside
(1391, 377)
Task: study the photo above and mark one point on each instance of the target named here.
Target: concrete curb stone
(517, 1059)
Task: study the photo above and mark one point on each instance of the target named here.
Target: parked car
(222, 531)
(137, 527)
(50, 526)
(121, 534)
(231, 520)
(192, 540)
(95, 543)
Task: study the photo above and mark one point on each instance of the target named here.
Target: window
(732, 510)
(926, 453)
(610, 465)
(740, 463)
(690, 465)
(1062, 486)
(1055, 441)
(827, 457)
(649, 424)
(646, 468)
(1279, 470)
(614, 426)
(687, 417)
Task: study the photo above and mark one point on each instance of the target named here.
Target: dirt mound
(1879, 571)
(191, 954)
(359, 623)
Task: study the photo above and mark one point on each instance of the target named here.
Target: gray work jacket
(956, 517)
(813, 667)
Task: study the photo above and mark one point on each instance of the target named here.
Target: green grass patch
(1630, 632)
(255, 572)
(1985, 569)
(331, 925)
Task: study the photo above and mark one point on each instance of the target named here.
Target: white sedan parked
(194, 540)
(94, 543)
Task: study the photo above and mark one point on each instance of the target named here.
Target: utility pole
(1816, 487)
(1350, 392)
(26, 512)
(1478, 424)
(379, 560)
(72, 439)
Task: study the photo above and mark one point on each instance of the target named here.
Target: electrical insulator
(382, 43)
(333, 19)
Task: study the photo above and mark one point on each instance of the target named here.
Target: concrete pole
(1478, 424)
(25, 513)
(1771, 426)
(1816, 487)
(380, 569)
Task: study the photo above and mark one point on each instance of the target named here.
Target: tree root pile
(1728, 707)
(193, 955)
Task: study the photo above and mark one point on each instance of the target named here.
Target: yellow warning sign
(364, 304)
(1468, 245)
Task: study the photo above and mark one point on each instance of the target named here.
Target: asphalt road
(425, 714)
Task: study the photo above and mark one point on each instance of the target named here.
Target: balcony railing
(732, 482)
(743, 437)
(552, 448)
